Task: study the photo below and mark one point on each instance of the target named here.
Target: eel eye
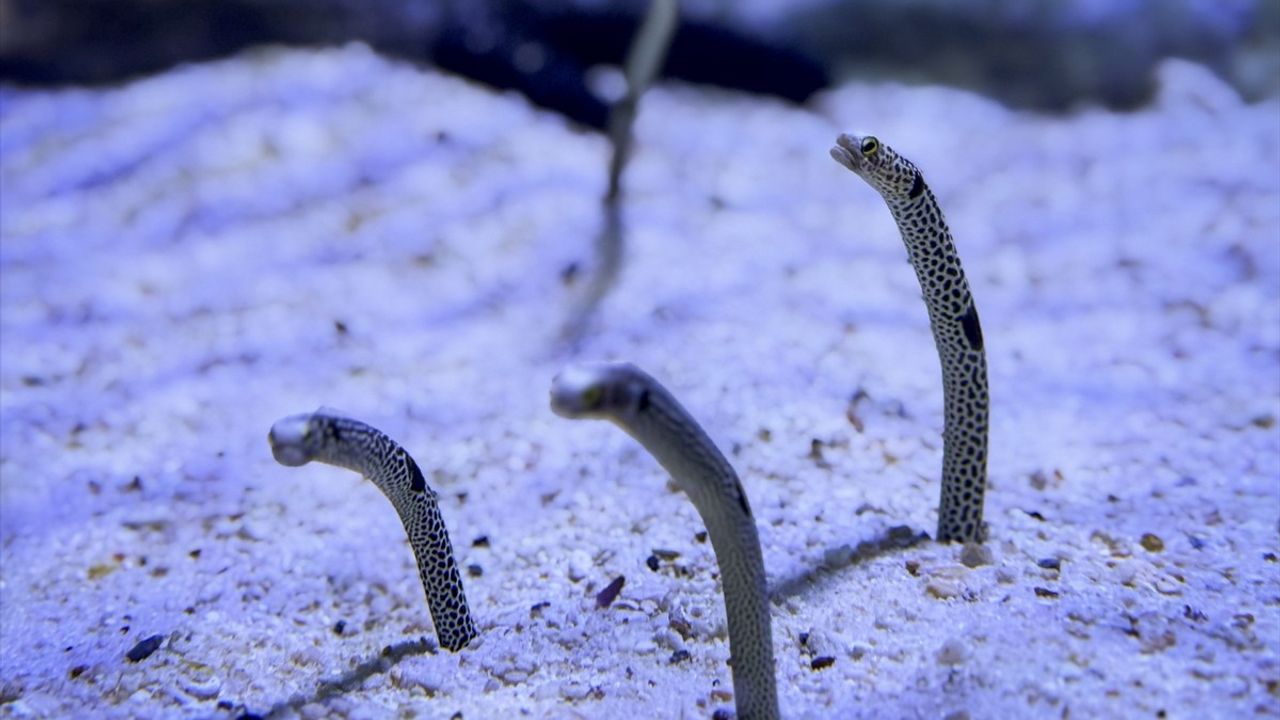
(869, 146)
(592, 396)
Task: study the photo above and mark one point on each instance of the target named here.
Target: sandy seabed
(187, 258)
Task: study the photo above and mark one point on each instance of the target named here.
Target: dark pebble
(475, 570)
(339, 626)
(700, 536)
(249, 716)
(1196, 542)
(678, 656)
(610, 592)
(652, 562)
(77, 671)
(722, 714)
(902, 536)
(1050, 563)
(482, 541)
(1045, 593)
(143, 650)
(822, 662)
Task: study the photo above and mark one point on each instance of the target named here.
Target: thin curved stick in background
(647, 54)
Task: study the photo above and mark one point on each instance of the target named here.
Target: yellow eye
(869, 146)
(592, 396)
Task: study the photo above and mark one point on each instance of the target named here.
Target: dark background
(1049, 55)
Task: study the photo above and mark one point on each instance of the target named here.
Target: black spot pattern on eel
(917, 186)
(351, 444)
(742, 500)
(957, 333)
(972, 328)
(417, 482)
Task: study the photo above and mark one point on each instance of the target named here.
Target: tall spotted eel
(641, 406)
(335, 440)
(954, 321)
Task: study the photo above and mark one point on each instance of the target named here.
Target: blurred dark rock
(542, 49)
(1044, 55)
(1041, 55)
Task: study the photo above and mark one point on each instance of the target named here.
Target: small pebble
(974, 555)
(1125, 573)
(610, 593)
(1046, 593)
(574, 690)
(952, 652)
(1050, 563)
(901, 536)
(838, 557)
(339, 626)
(652, 562)
(202, 687)
(1152, 543)
(143, 649)
(579, 565)
(943, 588)
(678, 656)
(475, 570)
(822, 662)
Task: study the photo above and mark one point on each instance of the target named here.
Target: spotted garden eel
(335, 440)
(954, 321)
(642, 407)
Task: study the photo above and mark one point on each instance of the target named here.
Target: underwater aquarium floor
(187, 258)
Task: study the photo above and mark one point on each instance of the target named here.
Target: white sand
(175, 256)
